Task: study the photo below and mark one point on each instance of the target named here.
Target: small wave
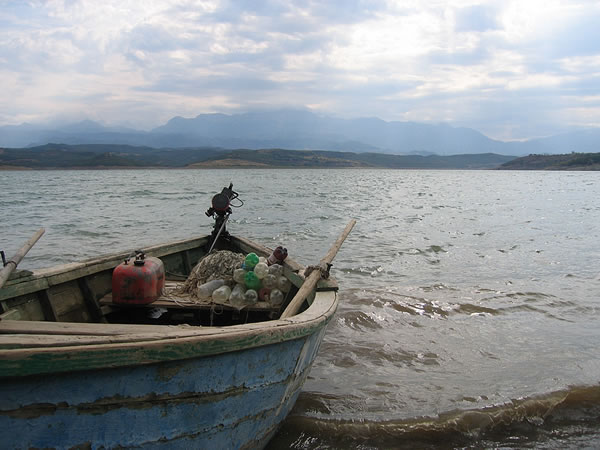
(386, 298)
(366, 355)
(370, 271)
(487, 426)
(470, 309)
(92, 234)
(142, 193)
(358, 320)
(11, 203)
(413, 219)
(432, 249)
(441, 301)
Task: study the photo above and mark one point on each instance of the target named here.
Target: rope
(213, 312)
(171, 295)
(324, 272)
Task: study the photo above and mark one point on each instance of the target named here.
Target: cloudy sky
(512, 69)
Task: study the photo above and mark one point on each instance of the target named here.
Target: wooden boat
(78, 371)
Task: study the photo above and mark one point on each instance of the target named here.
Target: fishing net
(216, 266)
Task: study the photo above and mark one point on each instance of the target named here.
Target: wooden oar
(315, 275)
(12, 263)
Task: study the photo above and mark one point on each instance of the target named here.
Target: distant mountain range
(300, 130)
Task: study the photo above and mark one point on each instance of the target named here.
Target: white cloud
(465, 62)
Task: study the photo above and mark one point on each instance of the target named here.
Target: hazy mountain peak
(300, 129)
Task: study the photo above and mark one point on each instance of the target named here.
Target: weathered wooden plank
(92, 329)
(65, 298)
(327, 301)
(22, 362)
(47, 306)
(177, 246)
(26, 307)
(32, 341)
(22, 341)
(80, 314)
(186, 261)
(90, 300)
(13, 314)
(325, 306)
(71, 353)
(100, 283)
(27, 286)
(195, 255)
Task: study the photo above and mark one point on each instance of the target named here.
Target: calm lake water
(469, 300)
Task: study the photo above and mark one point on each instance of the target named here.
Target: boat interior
(82, 292)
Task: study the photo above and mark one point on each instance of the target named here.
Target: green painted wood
(23, 288)
(19, 362)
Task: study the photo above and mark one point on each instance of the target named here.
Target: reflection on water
(468, 303)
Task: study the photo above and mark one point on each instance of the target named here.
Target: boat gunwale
(40, 360)
(162, 342)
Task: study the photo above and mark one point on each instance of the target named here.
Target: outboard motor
(220, 210)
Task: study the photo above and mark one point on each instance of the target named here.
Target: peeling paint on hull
(229, 400)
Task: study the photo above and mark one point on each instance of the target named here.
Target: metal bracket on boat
(139, 255)
(140, 258)
(4, 261)
(222, 230)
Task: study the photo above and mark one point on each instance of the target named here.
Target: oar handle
(12, 263)
(315, 275)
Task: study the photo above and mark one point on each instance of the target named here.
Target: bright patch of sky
(512, 69)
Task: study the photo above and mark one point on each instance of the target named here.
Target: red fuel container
(138, 280)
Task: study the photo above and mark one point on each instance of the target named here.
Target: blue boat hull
(230, 400)
(72, 378)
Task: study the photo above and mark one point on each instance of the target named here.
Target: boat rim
(68, 346)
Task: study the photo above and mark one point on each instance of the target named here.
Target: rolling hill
(117, 156)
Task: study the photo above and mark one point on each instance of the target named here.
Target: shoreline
(7, 168)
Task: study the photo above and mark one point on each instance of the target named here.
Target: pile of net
(216, 266)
